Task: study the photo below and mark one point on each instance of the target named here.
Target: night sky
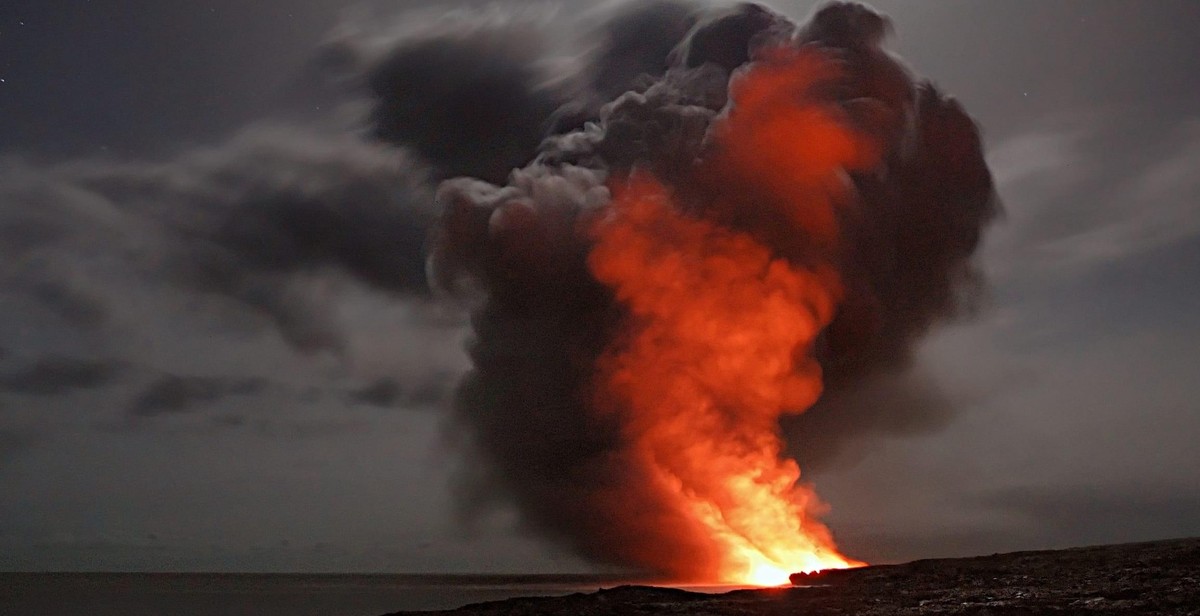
(250, 414)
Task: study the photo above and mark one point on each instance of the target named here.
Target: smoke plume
(768, 220)
(698, 250)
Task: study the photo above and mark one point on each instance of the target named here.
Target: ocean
(231, 594)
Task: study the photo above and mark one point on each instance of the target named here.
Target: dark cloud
(631, 49)
(71, 302)
(476, 95)
(391, 392)
(53, 376)
(383, 392)
(727, 38)
(470, 94)
(635, 43)
(171, 393)
(263, 219)
(366, 220)
(900, 403)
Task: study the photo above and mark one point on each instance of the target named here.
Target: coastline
(1159, 577)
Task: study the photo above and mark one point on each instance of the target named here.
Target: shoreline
(1158, 577)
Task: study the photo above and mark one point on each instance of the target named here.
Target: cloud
(272, 219)
(634, 41)
(70, 299)
(384, 392)
(53, 376)
(1071, 515)
(171, 393)
(391, 392)
(1157, 207)
(1033, 155)
(1083, 194)
(467, 90)
(476, 92)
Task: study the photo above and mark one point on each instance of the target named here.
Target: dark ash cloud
(172, 393)
(885, 403)
(635, 44)
(475, 94)
(392, 392)
(53, 376)
(535, 438)
(469, 92)
(280, 220)
(727, 38)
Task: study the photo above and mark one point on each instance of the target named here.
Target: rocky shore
(1161, 577)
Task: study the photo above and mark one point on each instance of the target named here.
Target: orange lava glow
(719, 337)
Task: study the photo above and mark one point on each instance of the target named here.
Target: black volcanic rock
(1144, 578)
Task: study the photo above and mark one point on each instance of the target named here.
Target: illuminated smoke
(724, 238)
(766, 226)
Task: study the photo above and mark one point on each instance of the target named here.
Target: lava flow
(720, 329)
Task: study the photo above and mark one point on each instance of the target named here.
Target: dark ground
(1143, 578)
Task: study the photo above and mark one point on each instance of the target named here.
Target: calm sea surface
(221, 594)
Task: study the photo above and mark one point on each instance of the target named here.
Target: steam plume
(809, 150)
(724, 235)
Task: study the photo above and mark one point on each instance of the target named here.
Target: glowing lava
(719, 334)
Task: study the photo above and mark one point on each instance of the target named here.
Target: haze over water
(236, 594)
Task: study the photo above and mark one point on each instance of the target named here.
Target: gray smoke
(518, 252)
(527, 118)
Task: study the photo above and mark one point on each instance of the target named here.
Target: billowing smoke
(810, 142)
(475, 94)
(703, 245)
(267, 220)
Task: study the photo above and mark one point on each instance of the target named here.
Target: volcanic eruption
(765, 215)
